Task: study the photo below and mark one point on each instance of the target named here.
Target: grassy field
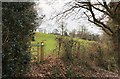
(49, 41)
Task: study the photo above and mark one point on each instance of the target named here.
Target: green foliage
(67, 48)
(86, 53)
(18, 21)
(100, 58)
(82, 52)
(71, 48)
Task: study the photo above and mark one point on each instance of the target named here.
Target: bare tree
(55, 31)
(73, 33)
(110, 11)
(62, 27)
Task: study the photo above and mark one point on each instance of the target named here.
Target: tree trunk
(116, 43)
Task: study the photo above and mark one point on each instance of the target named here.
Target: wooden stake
(42, 51)
(38, 52)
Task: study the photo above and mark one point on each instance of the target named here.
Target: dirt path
(53, 67)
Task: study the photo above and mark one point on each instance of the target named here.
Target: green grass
(49, 41)
(85, 43)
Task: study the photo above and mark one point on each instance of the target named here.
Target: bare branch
(64, 12)
(117, 6)
(106, 31)
(105, 12)
(100, 3)
(106, 7)
(101, 24)
(82, 6)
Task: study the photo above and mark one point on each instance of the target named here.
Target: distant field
(49, 41)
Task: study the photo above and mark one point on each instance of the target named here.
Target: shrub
(89, 54)
(18, 21)
(67, 49)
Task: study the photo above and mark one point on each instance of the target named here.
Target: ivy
(18, 22)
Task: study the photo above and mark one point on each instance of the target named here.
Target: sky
(51, 8)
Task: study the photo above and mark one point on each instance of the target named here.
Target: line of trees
(82, 34)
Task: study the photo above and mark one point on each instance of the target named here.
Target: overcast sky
(52, 7)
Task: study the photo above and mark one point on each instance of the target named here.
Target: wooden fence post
(42, 51)
(38, 52)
